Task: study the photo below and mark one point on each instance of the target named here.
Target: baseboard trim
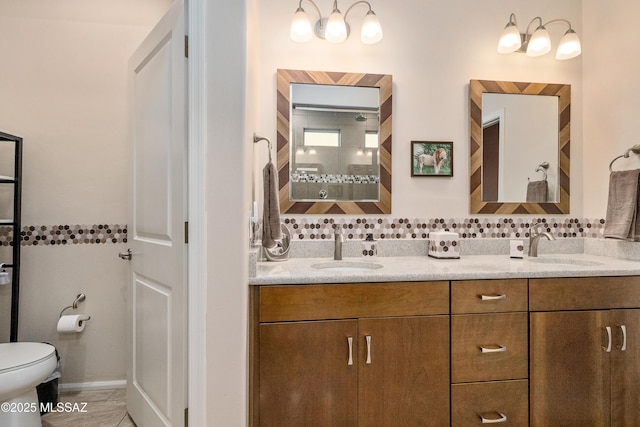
(96, 385)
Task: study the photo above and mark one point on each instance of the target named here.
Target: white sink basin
(346, 266)
(566, 261)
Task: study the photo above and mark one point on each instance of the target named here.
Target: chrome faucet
(534, 238)
(338, 241)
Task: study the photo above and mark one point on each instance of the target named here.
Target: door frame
(197, 249)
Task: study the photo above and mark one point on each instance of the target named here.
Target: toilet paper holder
(79, 298)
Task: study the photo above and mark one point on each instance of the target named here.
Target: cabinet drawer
(584, 293)
(493, 401)
(486, 347)
(488, 296)
(318, 302)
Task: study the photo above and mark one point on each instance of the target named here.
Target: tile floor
(104, 408)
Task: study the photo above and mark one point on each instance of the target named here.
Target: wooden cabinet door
(404, 371)
(305, 375)
(569, 369)
(625, 368)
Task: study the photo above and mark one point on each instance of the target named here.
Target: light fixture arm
(558, 20)
(528, 32)
(315, 6)
(351, 7)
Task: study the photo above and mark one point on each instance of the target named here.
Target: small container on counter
(516, 249)
(444, 244)
(369, 247)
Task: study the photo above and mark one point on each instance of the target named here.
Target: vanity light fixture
(334, 29)
(538, 43)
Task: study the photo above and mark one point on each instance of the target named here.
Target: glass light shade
(540, 42)
(510, 40)
(4, 278)
(336, 29)
(569, 46)
(301, 30)
(371, 29)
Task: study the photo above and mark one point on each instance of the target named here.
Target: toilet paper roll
(72, 323)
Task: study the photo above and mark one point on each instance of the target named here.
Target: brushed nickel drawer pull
(493, 297)
(502, 419)
(350, 342)
(608, 347)
(499, 349)
(368, 338)
(624, 337)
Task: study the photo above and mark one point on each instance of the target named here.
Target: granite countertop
(422, 268)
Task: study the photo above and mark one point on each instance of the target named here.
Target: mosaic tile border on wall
(321, 228)
(54, 235)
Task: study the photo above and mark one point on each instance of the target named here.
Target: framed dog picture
(431, 158)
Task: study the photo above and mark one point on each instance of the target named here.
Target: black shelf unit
(16, 225)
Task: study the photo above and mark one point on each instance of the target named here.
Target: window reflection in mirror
(334, 136)
(519, 132)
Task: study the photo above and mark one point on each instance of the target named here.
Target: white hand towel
(271, 230)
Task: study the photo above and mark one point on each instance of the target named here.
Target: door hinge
(186, 417)
(186, 232)
(186, 46)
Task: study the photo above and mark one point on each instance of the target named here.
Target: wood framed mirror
(324, 167)
(532, 138)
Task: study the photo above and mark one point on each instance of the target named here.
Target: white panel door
(156, 379)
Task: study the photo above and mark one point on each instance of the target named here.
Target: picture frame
(432, 158)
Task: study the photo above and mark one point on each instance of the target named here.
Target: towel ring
(257, 139)
(635, 149)
(542, 167)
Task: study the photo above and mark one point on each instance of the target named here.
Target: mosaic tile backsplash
(320, 228)
(335, 178)
(52, 235)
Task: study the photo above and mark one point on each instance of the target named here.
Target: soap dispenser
(370, 249)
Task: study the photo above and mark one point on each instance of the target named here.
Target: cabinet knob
(368, 339)
(350, 343)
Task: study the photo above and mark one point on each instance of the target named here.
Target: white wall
(530, 126)
(432, 49)
(63, 88)
(611, 95)
(230, 109)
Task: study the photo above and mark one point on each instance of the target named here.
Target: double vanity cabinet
(515, 352)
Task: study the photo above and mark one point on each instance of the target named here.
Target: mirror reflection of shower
(335, 135)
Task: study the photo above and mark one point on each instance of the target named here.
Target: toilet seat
(19, 355)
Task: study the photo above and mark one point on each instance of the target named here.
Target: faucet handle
(535, 227)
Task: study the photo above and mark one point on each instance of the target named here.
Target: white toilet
(23, 365)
